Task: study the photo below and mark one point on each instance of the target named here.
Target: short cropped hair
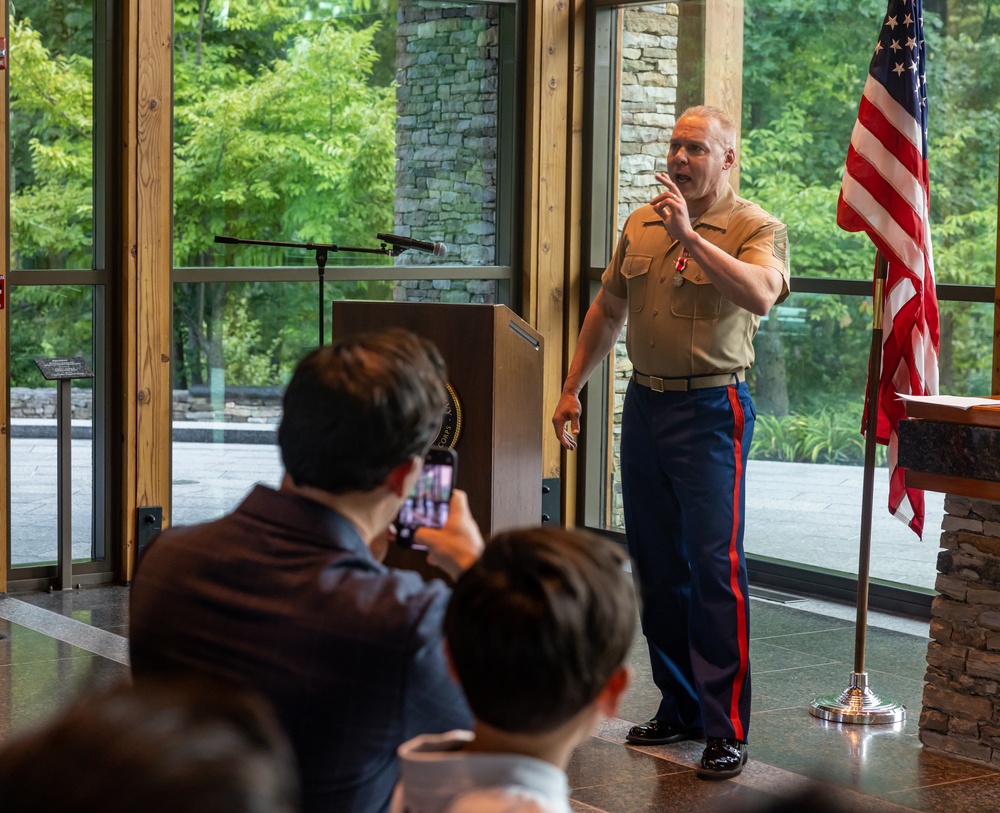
(155, 747)
(357, 408)
(538, 625)
(726, 124)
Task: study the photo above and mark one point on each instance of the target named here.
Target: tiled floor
(56, 646)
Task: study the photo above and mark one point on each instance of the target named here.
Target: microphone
(403, 243)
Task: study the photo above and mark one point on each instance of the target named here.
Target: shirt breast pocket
(635, 269)
(696, 298)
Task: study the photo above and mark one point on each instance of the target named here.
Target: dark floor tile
(53, 626)
(671, 792)
(885, 650)
(793, 691)
(103, 607)
(20, 645)
(767, 657)
(768, 620)
(598, 762)
(874, 760)
(642, 698)
(33, 692)
(580, 807)
(641, 701)
(980, 795)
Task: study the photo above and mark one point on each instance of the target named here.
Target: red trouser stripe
(734, 567)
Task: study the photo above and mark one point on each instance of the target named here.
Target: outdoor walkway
(798, 512)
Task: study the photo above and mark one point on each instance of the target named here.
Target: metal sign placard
(60, 368)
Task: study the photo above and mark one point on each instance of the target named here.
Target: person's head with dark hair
(538, 629)
(155, 747)
(358, 408)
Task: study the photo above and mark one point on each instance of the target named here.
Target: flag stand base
(857, 704)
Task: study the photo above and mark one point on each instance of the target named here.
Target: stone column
(961, 711)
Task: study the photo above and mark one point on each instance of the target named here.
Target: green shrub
(828, 435)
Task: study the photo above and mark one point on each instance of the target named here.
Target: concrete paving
(799, 512)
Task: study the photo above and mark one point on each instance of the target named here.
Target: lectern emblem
(451, 423)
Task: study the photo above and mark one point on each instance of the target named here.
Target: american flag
(885, 193)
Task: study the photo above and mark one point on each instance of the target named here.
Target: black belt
(694, 382)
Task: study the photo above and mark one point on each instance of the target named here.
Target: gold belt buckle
(655, 383)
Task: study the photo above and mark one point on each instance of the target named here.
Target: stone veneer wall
(447, 78)
(961, 705)
(254, 405)
(40, 403)
(647, 108)
(446, 146)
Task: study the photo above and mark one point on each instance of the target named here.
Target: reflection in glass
(235, 348)
(49, 322)
(801, 88)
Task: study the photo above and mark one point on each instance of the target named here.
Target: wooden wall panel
(724, 64)
(553, 190)
(710, 61)
(146, 264)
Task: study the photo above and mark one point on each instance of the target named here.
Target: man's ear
(610, 696)
(400, 480)
(730, 158)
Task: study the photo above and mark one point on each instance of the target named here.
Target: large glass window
(804, 69)
(57, 280)
(325, 125)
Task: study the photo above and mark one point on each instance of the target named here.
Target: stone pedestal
(961, 706)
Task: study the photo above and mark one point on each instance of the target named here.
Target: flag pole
(858, 704)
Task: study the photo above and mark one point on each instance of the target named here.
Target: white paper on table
(953, 401)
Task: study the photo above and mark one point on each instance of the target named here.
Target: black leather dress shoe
(722, 758)
(656, 732)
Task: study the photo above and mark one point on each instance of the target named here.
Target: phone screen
(427, 503)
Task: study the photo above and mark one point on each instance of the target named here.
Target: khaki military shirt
(678, 323)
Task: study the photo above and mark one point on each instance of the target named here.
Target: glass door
(800, 88)
(56, 287)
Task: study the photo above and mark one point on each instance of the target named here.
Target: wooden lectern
(951, 449)
(494, 363)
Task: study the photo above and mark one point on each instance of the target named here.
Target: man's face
(698, 159)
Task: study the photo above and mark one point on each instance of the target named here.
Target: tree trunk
(946, 371)
(770, 374)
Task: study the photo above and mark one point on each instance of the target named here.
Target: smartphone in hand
(427, 503)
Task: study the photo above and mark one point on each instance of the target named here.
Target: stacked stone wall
(647, 109)
(254, 405)
(39, 403)
(961, 704)
(447, 74)
(257, 405)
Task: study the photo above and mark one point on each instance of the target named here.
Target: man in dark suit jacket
(287, 593)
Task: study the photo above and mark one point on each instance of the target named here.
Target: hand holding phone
(426, 506)
(455, 547)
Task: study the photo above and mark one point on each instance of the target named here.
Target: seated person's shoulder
(388, 602)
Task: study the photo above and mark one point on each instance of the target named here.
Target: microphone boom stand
(322, 251)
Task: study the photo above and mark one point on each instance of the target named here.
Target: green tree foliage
(51, 167)
(52, 153)
(284, 127)
(280, 135)
(805, 68)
